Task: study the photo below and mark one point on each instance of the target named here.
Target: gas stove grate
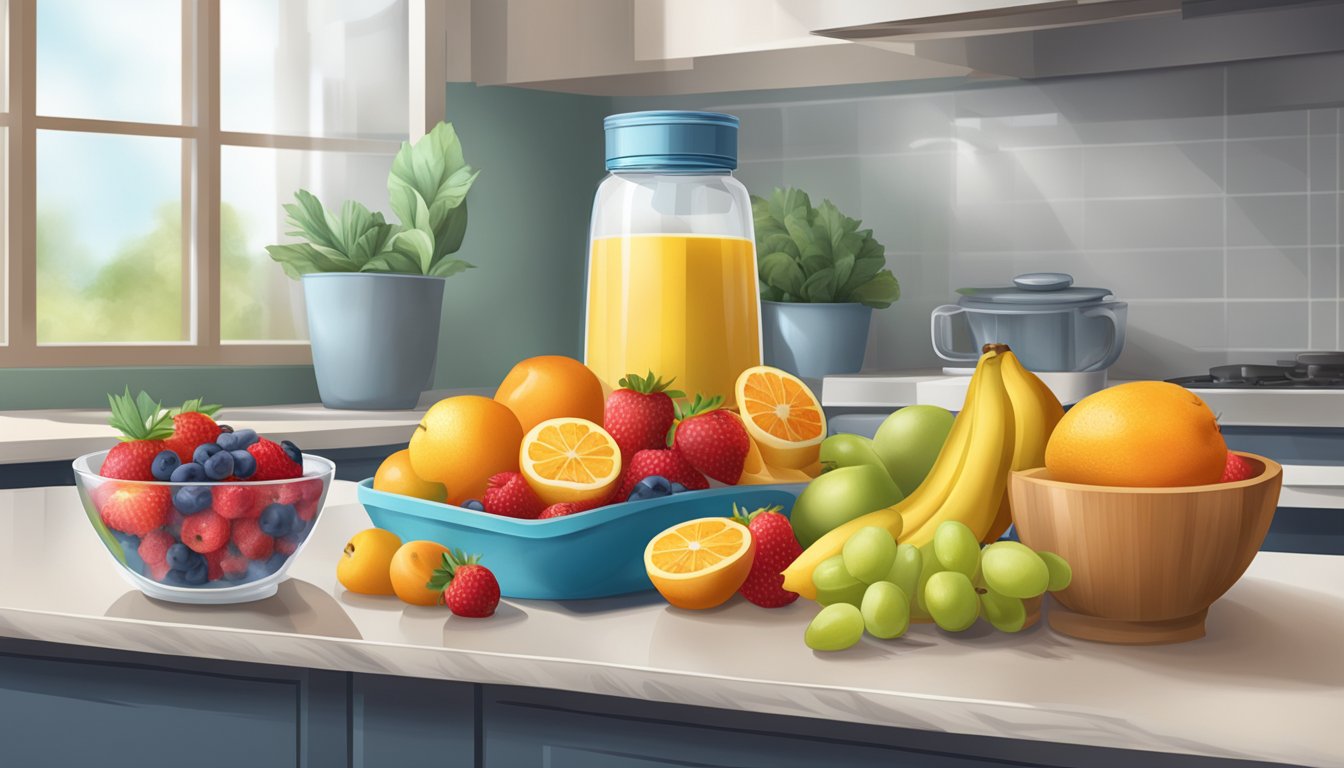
(1309, 370)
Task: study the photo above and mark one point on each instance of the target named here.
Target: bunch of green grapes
(874, 584)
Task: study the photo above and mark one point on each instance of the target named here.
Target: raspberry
(307, 510)
(236, 501)
(286, 546)
(250, 541)
(205, 532)
(154, 547)
(311, 490)
(289, 493)
(157, 570)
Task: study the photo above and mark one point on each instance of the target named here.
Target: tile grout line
(1311, 322)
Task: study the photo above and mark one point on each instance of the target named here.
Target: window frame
(202, 144)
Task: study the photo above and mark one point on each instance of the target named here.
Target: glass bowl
(141, 523)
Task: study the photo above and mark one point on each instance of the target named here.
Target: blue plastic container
(599, 553)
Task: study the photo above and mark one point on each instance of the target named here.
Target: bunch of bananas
(1004, 426)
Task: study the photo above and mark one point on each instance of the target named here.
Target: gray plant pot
(375, 337)
(815, 340)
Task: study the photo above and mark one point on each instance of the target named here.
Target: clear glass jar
(672, 284)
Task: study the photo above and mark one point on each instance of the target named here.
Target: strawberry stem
(649, 385)
(700, 405)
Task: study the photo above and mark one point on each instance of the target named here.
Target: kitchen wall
(1207, 197)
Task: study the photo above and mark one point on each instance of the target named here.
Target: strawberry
(214, 563)
(776, 549)
(660, 461)
(154, 547)
(205, 532)
(143, 425)
(638, 415)
(192, 426)
(250, 541)
(157, 571)
(1237, 468)
(569, 508)
(236, 501)
(509, 495)
(136, 509)
(273, 463)
(712, 440)
(469, 589)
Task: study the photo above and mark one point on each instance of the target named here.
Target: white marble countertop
(63, 435)
(1265, 684)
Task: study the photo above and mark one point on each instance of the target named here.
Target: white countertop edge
(977, 717)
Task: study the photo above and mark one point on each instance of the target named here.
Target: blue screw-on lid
(671, 140)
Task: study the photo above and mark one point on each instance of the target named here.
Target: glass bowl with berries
(194, 511)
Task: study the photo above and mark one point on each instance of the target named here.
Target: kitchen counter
(1263, 685)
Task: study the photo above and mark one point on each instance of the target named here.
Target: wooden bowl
(1147, 562)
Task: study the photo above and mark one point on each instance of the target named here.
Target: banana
(978, 488)
(1036, 411)
(911, 512)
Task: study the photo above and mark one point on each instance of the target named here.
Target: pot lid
(1036, 288)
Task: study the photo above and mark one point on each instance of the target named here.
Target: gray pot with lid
(1051, 324)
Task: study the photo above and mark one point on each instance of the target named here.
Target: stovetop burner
(1309, 370)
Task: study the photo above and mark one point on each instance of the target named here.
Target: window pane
(109, 238)
(258, 301)
(314, 67)
(110, 60)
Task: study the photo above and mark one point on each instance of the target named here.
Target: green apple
(838, 496)
(909, 440)
(846, 450)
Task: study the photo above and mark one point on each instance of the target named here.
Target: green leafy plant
(818, 255)
(427, 189)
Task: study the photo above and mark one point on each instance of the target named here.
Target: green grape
(1006, 614)
(836, 628)
(957, 548)
(951, 600)
(928, 566)
(905, 570)
(1013, 570)
(1061, 574)
(869, 553)
(834, 584)
(886, 610)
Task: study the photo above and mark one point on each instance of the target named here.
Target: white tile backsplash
(1207, 197)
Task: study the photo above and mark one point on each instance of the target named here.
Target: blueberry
(204, 451)
(219, 466)
(130, 551)
(656, 486)
(191, 499)
(473, 504)
(175, 578)
(260, 569)
(244, 466)
(180, 558)
(191, 472)
(292, 451)
(224, 428)
(163, 465)
(198, 573)
(679, 488)
(227, 441)
(278, 519)
(245, 437)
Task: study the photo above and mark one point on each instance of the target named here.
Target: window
(153, 144)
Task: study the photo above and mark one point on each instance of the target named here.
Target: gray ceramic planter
(815, 340)
(375, 337)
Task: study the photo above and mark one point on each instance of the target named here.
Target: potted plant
(821, 278)
(373, 289)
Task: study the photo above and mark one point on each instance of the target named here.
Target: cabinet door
(525, 729)
(402, 721)
(57, 712)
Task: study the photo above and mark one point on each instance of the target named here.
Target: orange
(782, 415)
(756, 472)
(462, 441)
(700, 563)
(1144, 434)
(366, 562)
(550, 387)
(395, 475)
(570, 459)
(412, 567)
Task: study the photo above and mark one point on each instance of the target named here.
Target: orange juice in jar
(672, 284)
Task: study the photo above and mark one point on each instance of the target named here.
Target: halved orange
(700, 563)
(569, 459)
(756, 472)
(782, 415)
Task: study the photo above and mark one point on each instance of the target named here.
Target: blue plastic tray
(599, 553)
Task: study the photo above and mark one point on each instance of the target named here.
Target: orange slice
(569, 459)
(700, 563)
(782, 415)
(756, 472)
